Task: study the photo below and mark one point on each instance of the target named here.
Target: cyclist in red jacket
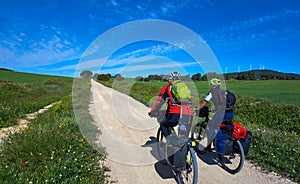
(175, 112)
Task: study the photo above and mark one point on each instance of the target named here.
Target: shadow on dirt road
(164, 170)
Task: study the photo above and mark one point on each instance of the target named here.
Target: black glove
(152, 114)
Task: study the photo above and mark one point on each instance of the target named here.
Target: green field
(277, 91)
(20, 77)
(285, 92)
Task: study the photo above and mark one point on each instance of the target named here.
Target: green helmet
(215, 82)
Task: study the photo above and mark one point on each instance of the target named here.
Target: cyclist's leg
(220, 138)
(171, 120)
(213, 127)
(165, 127)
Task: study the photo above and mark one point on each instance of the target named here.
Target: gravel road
(128, 135)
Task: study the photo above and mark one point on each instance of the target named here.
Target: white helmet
(174, 76)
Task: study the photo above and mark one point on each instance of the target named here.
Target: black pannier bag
(177, 151)
(246, 142)
(228, 145)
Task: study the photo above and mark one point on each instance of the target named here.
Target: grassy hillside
(18, 98)
(20, 77)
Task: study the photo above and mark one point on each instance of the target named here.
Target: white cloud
(48, 47)
(256, 28)
(152, 67)
(114, 3)
(136, 9)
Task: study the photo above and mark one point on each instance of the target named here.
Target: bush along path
(22, 123)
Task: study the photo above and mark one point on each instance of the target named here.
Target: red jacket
(166, 95)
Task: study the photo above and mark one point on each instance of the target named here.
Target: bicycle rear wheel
(234, 163)
(189, 175)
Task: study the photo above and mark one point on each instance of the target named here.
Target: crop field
(270, 109)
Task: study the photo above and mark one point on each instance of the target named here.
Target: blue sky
(50, 37)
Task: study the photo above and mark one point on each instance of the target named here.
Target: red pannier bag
(238, 131)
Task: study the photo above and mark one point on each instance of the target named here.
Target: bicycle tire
(234, 163)
(189, 175)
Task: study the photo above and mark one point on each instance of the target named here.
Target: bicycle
(177, 150)
(233, 158)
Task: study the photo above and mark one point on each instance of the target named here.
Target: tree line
(248, 75)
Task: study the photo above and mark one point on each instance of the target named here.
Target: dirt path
(128, 136)
(23, 123)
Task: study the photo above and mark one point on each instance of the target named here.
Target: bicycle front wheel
(234, 163)
(189, 174)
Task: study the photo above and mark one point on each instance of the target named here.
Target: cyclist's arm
(160, 100)
(203, 104)
(206, 100)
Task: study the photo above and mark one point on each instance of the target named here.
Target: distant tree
(229, 76)
(103, 77)
(211, 75)
(86, 74)
(95, 77)
(290, 78)
(204, 78)
(139, 78)
(119, 77)
(156, 77)
(196, 77)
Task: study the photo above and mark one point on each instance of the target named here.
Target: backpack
(230, 100)
(181, 93)
(221, 96)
